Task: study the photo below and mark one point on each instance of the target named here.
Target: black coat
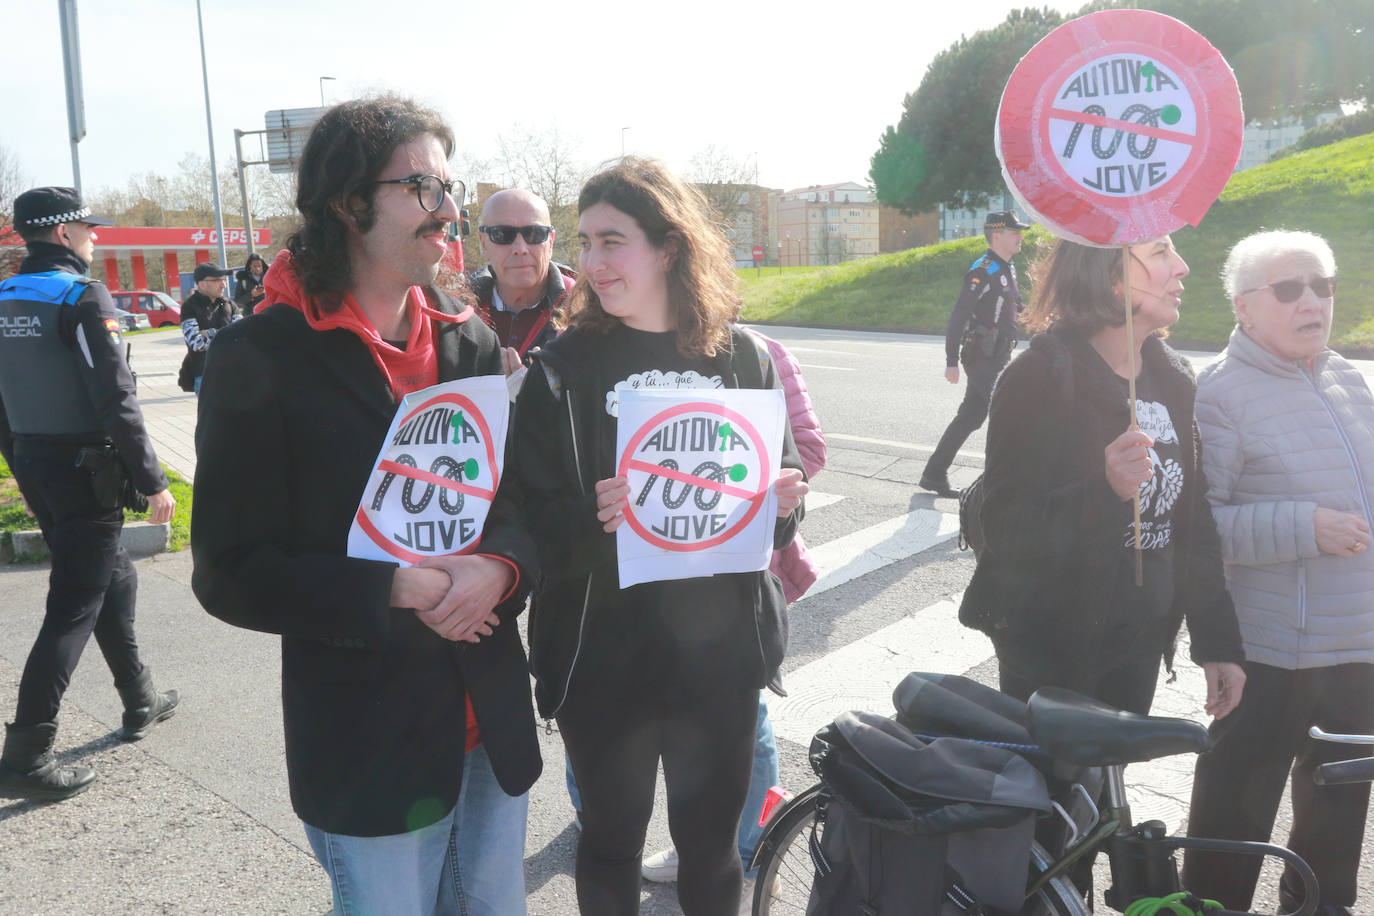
(557, 433)
(1053, 524)
(290, 422)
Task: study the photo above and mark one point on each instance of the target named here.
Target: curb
(140, 539)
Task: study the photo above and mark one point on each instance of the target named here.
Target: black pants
(704, 734)
(91, 588)
(973, 410)
(1238, 783)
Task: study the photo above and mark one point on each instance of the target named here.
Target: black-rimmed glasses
(431, 189)
(505, 235)
(1289, 291)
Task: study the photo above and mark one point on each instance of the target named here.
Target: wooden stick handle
(1130, 397)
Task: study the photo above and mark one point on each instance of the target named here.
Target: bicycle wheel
(786, 872)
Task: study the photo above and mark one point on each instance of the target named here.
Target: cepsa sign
(435, 479)
(701, 472)
(1119, 127)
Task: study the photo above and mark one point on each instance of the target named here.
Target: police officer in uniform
(72, 432)
(980, 333)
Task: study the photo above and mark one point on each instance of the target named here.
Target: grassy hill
(1329, 190)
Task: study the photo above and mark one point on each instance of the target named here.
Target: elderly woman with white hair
(1288, 451)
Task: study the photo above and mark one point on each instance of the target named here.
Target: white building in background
(1266, 136)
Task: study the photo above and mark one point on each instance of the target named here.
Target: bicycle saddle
(1082, 730)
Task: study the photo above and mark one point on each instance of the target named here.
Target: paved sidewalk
(169, 412)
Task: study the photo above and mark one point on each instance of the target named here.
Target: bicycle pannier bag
(919, 828)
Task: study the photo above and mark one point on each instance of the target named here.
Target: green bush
(1342, 128)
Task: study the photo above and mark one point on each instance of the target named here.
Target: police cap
(1004, 219)
(52, 206)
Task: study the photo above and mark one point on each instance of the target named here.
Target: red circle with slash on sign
(1119, 127)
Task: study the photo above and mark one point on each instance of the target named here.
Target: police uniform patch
(112, 326)
(973, 281)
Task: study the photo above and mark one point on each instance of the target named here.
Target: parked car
(128, 321)
(160, 308)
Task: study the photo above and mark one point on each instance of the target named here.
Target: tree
(1290, 56)
(724, 181)
(546, 164)
(942, 151)
(12, 184)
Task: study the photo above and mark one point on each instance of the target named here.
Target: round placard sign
(1119, 127)
(700, 450)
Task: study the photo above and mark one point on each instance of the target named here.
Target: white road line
(800, 349)
(893, 443)
(863, 674)
(817, 500)
(835, 368)
(846, 558)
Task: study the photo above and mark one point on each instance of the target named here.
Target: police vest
(41, 377)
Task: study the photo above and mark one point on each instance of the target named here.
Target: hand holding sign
(790, 489)
(612, 499)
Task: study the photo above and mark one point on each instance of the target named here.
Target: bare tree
(12, 184)
(728, 184)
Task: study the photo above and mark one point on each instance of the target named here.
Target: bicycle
(1066, 732)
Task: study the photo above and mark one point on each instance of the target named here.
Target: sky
(803, 89)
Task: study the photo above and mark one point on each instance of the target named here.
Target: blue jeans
(198, 378)
(764, 777)
(471, 862)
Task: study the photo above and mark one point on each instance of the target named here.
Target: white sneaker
(660, 867)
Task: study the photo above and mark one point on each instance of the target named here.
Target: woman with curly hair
(661, 670)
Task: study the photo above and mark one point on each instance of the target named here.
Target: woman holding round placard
(666, 670)
(1289, 433)
(1057, 587)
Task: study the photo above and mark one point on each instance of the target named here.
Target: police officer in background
(983, 327)
(73, 434)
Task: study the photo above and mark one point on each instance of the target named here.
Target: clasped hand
(454, 596)
(613, 497)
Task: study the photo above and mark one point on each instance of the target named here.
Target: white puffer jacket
(1279, 440)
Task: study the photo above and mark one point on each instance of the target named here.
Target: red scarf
(411, 369)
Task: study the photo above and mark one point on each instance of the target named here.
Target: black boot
(144, 707)
(28, 770)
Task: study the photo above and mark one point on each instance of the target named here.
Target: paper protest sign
(701, 466)
(435, 478)
(1119, 127)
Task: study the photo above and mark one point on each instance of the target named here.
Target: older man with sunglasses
(1288, 449)
(521, 288)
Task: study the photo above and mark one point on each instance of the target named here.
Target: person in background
(410, 741)
(66, 397)
(664, 670)
(980, 333)
(204, 314)
(521, 289)
(797, 571)
(248, 282)
(1288, 430)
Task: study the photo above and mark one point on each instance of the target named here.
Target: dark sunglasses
(430, 189)
(505, 235)
(1288, 291)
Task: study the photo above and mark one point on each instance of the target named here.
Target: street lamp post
(622, 141)
(322, 79)
(210, 130)
(779, 255)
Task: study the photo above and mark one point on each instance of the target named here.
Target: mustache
(437, 225)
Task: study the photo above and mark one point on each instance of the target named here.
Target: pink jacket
(793, 565)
